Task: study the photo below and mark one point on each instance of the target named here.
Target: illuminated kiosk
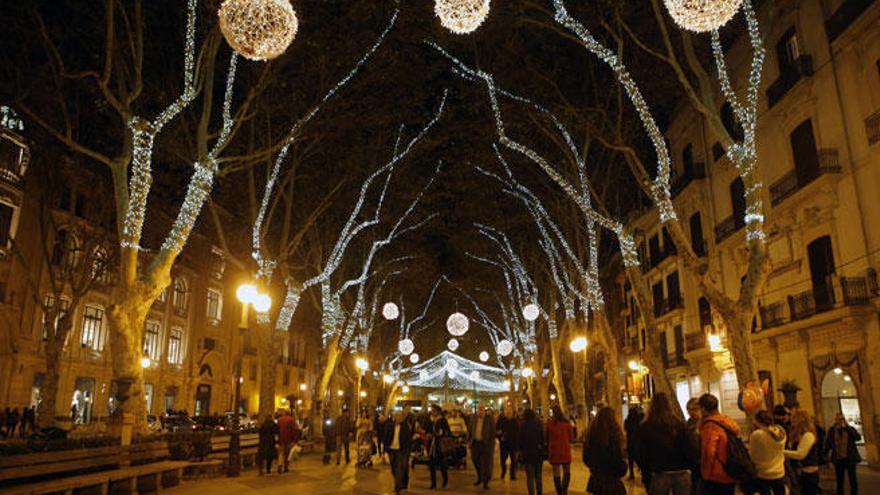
(447, 378)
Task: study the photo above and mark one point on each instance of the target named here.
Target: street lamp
(248, 295)
(579, 344)
(145, 360)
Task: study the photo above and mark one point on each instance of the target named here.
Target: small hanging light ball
(462, 16)
(457, 324)
(406, 347)
(414, 358)
(258, 29)
(531, 312)
(701, 16)
(452, 345)
(484, 356)
(390, 311)
(504, 348)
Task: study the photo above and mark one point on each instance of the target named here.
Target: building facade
(193, 334)
(817, 327)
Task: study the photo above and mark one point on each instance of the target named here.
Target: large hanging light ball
(457, 324)
(406, 347)
(531, 312)
(390, 311)
(504, 348)
(452, 345)
(702, 15)
(484, 356)
(414, 358)
(461, 16)
(258, 29)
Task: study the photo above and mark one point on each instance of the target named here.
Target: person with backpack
(766, 445)
(724, 459)
(803, 450)
(663, 447)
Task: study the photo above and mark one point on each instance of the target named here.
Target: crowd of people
(14, 423)
(702, 455)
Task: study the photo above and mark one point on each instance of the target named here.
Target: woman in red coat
(559, 437)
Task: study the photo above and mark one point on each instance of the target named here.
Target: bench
(133, 469)
(249, 444)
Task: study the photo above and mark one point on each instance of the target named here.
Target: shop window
(93, 328)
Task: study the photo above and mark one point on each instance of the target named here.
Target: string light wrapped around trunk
(258, 29)
(702, 16)
(462, 16)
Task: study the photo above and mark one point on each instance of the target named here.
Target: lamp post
(362, 365)
(579, 344)
(248, 295)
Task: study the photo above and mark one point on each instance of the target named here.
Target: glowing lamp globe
(246, 293)
(262, 303)
(390, 311)
(457, 324)
(531, 312)
(462, 16)
(452, 345)
(258, 29)
(484, 356)
(406, 347)
(414, 358)
(701, 16)
(504, 348)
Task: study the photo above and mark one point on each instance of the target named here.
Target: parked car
(177, 422)
(245, 423)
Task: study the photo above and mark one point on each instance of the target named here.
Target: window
(787, 50)
(163, 296)
(101, 266)
(821, 258)
(697, 242)
(673, 290)
(48, 304)
(152, 329)
(215, 306)
(804, 153)
(657, 291)
(148, 395)
(679, 343)
(7, 214)
(654, 249)
(218, 263)
(705, 312)
(93, 328)
(180, 296)
(728, 118)
(175, 345)
(65, 250)
(738, 202)
(252, 372)
(687, 159)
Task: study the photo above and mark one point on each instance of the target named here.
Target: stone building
(817, 326)
(192, 334)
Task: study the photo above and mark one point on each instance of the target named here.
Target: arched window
(179, 299)
(65, 250)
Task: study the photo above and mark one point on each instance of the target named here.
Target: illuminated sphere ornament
(462, 16)
(457, 324)
(390, 311)
(452, 345)
(258, 29)
(701, 16)
(504, 348)
(406, 347)
(531, 312)
(484, 356)
(414, 358)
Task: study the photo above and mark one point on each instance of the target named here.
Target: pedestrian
(507, 428)
(330, 441)
(713, 447)
(12, 422)
(603, 454)
(32, 419)
(766, 445)
(343, 431)
(559, 434)
(398, 441)
(840, 442)
(664, 449)
(803, 450)
(439, 436)
(457, 424)
(288, 436)
(532, 449)
(363, 426)
(631, 424)
(378, 432)
(482, 445)
(3, 415)
(267, 448)
(693, 426)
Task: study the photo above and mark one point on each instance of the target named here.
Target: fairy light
(390, 311)
(258, 29)
(406, 347)
(702, 15)
(504, 348)
(462, 16)
(452, 345)
(414, 358)
(457, 324)
(484, 356)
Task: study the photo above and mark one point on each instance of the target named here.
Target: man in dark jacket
(532, 449)
(482, 445)
(398, 441)
(343, 429)
(508, 437)
(841, 443)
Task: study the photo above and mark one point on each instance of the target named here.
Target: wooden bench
(133, 469)
(249, 445)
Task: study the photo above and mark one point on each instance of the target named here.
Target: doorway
(840, 395)
(83, 402)
(203, 400)
(821, 257)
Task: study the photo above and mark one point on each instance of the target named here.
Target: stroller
(365, 450)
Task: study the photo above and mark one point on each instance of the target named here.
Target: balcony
(844, 16)
(812, 301)
(793, 182)
(789, 76)
(872, 128)
(695, 341)
(772, 315)
(14, 157)
(690, 174)
(665, 306)
(856, 290)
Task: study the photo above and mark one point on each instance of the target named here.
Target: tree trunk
(49, 391)
(558, 383)
(612, 359)
(332, 353)
(126, 319)
(270, 344)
